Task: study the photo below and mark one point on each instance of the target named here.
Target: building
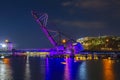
(103, 43)
(6, 46)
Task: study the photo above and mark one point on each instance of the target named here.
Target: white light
(27, 52)
(3, 45)
(2, 57)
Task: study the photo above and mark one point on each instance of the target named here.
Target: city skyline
(77, 18)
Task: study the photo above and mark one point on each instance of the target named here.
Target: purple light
(67, 69)
(47, 69)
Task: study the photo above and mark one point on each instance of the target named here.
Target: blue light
(80, 46)
(83, 71)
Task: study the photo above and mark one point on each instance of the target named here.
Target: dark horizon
(77, 18)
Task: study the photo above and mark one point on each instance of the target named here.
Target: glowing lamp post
(6, 41)
(107, 40)
(64, 41)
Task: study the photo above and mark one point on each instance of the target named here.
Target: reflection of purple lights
(67, 71)
(47, 64)
(47, 69)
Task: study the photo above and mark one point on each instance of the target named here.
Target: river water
(42, 68)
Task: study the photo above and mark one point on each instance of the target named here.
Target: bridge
(64, 45)
(31, 50)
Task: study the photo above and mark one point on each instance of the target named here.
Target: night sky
(77, 18)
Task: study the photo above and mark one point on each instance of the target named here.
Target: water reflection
(82, 71)
(108, 69)
(27, 69)
(55, 69)
(5, 69)
(47, 69)
(39, 68)
(67, 69)
(18, 67)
